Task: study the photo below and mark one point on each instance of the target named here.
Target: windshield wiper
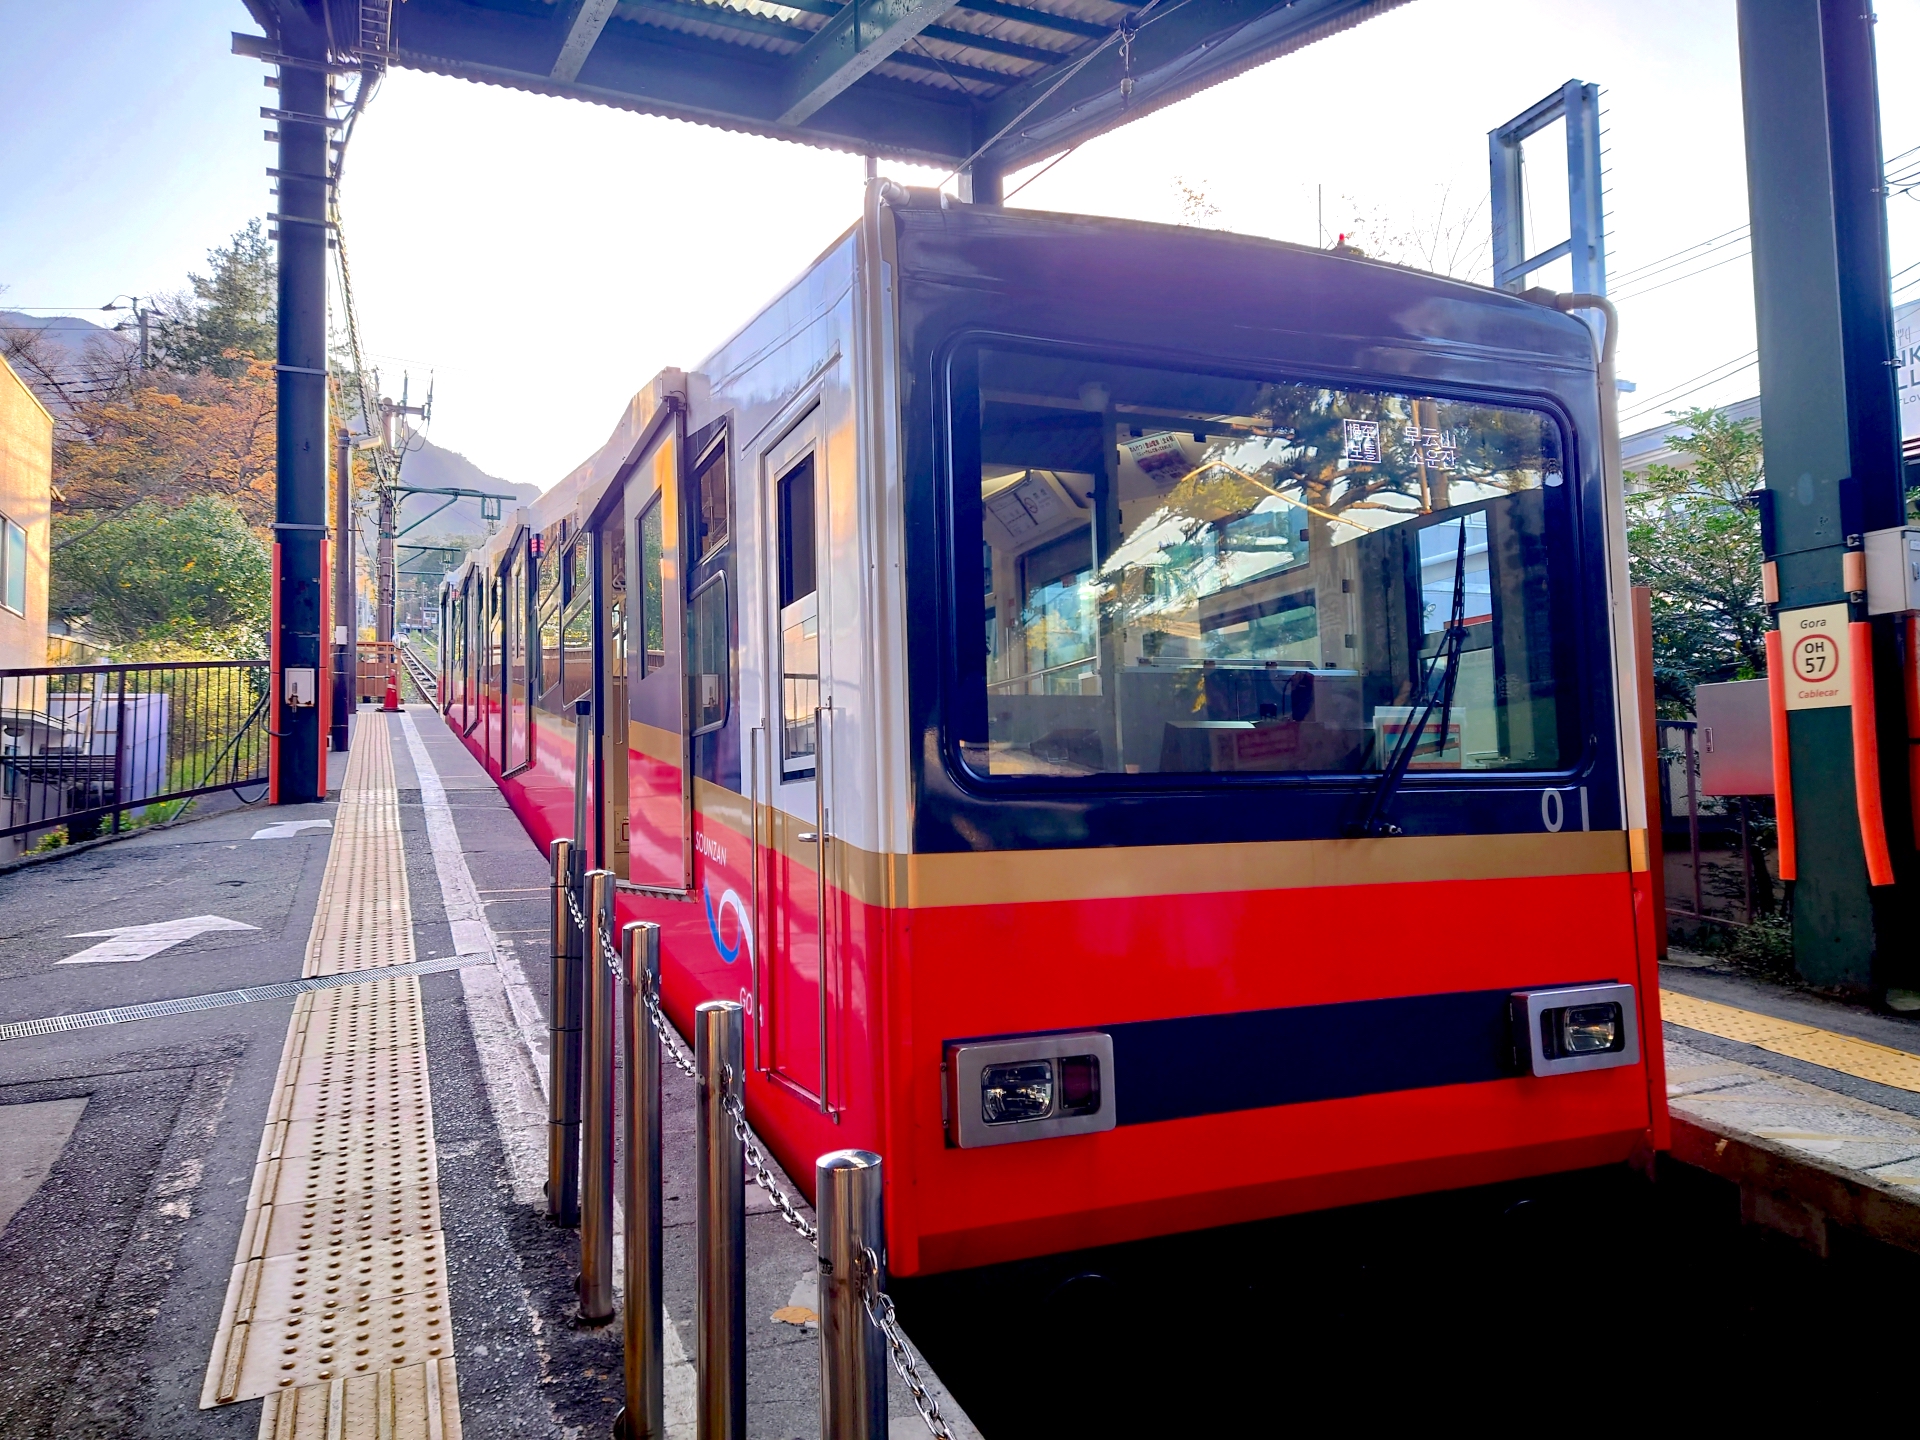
(1447, 656)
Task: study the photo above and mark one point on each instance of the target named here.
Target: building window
(13, 566)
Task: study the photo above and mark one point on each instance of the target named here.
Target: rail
(421, 674)
(90, 747)
(598, 981)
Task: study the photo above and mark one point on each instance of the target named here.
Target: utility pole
(345, 650)
(143, 317)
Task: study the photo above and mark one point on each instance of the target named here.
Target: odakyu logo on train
(741, 927)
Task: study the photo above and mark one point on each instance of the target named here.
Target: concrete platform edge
(1793, 1192)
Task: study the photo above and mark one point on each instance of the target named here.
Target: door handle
(808, 837)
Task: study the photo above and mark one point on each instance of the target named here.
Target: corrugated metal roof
(1001, 82)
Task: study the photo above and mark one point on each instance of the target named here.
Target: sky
(541, 259)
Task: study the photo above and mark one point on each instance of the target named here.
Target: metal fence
(88, 747)
(603, 987)
(1721, 845)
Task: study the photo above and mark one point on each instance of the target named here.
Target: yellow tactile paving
(413, 1400)
(336, 1313)
(1860, 1058)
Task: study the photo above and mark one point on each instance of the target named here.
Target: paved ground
(126, 1151)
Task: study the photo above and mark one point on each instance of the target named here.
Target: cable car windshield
(1191, 574)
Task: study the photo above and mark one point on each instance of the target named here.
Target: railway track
(420, 673)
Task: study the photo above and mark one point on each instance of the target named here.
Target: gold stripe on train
(1124, 872)
(656, 743)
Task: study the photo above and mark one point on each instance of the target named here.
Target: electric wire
(1676, 279)
(1127, 29)
(1041, 171)
(1660, 400)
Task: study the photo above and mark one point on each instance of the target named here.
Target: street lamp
(141, 317)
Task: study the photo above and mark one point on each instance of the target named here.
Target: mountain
(431, 466)
(52, 351)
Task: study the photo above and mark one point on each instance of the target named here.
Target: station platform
(274, 1137)
(1810, 1106)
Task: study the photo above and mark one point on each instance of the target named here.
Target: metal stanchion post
(853, 1352)
(719, 1047)
(645, 1415)
(596, 1108)
(563, 1046)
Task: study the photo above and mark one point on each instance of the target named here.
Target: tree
(1693, 539)
(162, 579)
(231, 316)
(166, 439)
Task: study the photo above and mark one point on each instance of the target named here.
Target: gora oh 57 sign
(1814, 641)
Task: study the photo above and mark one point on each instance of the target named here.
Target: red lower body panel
(902, 982)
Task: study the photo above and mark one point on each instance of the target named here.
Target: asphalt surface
(113, 1270)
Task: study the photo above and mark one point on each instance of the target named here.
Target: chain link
(607, 952)
(669, 1042)
(762, 1174)
(879, 1306)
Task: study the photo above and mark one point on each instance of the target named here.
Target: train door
(659, 829)
(793, 1028)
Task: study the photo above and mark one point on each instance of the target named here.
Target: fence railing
(87, 747)
(603, 986)
(1728, 839)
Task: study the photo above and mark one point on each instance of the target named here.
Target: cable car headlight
(1010, 1094)
(999, 1091)
(1589, 1029)
(1580, 1027)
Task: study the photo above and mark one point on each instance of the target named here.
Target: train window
(547, 629)
(1194, 574)
(651, 622)
(709, 503)
(799, 621)
(617, 612)
(710, 674)
(576, 640)
(514, 611)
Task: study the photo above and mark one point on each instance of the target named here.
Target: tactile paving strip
(336, 1313)
(1862, 1059)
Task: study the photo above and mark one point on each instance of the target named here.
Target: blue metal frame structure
(1586, 242)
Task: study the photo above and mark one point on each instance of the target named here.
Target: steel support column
(1831, 433)
(346, 680)
(300, 506)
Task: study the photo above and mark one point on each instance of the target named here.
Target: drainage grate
(279, 990)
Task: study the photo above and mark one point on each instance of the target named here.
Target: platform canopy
(920, 80)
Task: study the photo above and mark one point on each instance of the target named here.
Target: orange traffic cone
(392, 702)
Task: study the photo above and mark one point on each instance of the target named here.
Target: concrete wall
(26, 498)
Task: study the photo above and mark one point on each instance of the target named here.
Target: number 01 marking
(1553, 810)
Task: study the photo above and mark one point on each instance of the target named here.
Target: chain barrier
(879, 1306)
(762, 1173)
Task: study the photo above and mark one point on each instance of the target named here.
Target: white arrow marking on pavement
(287, 829)
(142, 942)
